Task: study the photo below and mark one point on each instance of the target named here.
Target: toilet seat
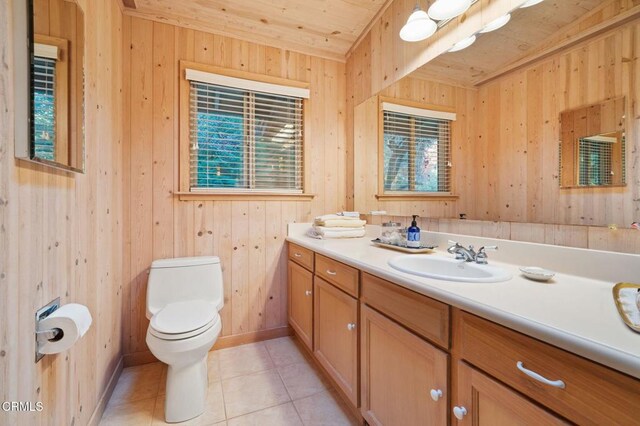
(182, 320)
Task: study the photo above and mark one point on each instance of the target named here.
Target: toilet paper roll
(73, 319)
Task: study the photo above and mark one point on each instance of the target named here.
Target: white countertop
(572, 311)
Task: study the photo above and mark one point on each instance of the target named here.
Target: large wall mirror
(53, 58)
(515, 99)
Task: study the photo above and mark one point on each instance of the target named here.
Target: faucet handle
(481, 256)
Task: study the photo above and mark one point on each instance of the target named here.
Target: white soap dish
(537, 274)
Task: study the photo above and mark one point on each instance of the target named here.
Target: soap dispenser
(413, 234)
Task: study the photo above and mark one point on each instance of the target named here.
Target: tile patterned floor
(265, 383)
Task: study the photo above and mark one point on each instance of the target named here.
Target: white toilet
(184, 296)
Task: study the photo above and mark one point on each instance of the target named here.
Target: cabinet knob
(436, 394)
(307, 293)
(351, 326)
(459, 412)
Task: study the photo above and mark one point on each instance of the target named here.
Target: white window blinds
(596, 157)
(244, 140)
(417, 150)
(44, 106)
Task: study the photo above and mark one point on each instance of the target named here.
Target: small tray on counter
(415, 250)
(626, 310)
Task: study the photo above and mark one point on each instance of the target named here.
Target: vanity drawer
(592, 393)
(301, 255)
(342, 276)
(421, 314)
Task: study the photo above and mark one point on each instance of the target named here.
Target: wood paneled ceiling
(528, 31)
(326, 28)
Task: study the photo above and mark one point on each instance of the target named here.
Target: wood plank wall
(247, 235)
(61, 235)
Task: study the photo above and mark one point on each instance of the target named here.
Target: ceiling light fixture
(497, 23)
(418, 27)
(448, 9)
(463, 44)
(531, 3)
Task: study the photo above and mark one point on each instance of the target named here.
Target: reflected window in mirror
(416, 150)
(599, 157)
(593, 146)
(50, 74)
(50, 90)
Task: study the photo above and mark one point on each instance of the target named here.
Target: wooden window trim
(383, 195)
(184, 193)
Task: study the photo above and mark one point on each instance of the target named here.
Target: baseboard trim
(254, 336)
(96, 416)
(146, 357)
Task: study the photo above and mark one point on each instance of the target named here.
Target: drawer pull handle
(330, 272)
(436, 394)
(538, 377)
(351, 326)
(459, 412)
(297, 254)
(307, 293)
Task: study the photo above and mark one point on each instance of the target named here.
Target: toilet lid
(183, 317)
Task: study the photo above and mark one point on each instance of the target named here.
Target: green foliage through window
(243, 139)
(416, 153)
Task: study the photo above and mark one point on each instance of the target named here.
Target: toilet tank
(183, 279)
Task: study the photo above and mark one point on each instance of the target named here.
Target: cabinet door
(336, 336)
(399, 373)
(301, 302)
(481, 400)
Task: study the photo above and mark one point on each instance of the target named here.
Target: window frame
(185, 192)
(384, 195)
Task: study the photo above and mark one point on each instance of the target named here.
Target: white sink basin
(449, 269)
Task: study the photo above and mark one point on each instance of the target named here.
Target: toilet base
(186, 391)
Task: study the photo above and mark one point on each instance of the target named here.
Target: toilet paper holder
(43, 336)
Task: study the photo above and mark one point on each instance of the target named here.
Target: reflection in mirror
(592, 147)
(57, 86)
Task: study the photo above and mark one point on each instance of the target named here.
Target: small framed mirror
(593, 146)
(50, 92)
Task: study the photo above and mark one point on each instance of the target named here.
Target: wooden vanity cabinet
(481, 400)
(336, 336)
(399, 374)
(579, 390)
(387, 348)
(301, 302)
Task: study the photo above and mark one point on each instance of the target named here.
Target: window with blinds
(597, 156)
(44, 107)
(416, 150)
(243, 139)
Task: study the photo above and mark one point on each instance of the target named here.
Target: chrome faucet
(469, 254)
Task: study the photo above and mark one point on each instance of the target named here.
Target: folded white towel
(341, 223)
(316, 232)
(335, 217)
(323, 229)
